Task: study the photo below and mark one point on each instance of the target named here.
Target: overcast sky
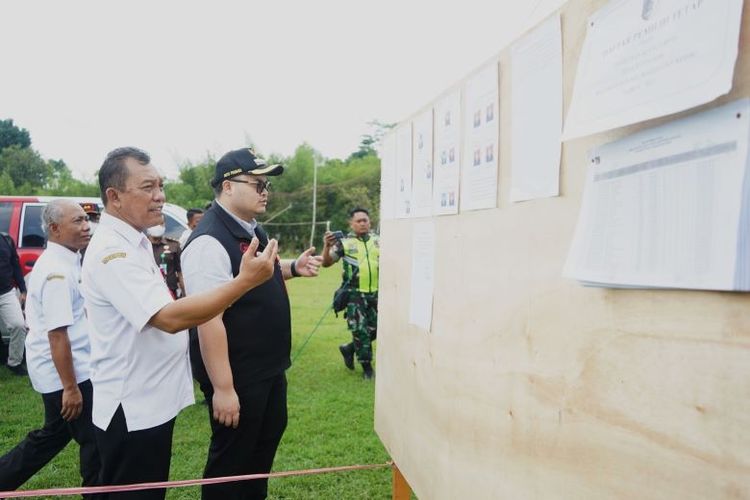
(181, 79)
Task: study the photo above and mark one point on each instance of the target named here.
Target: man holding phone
(360, 251)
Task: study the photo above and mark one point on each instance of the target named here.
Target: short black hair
(357, 209)
(114, 173)
(192, 212)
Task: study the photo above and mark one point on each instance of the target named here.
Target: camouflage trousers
(362, 320)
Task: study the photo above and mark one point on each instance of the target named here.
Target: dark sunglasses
(259, 186)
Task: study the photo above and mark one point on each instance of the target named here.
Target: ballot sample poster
(403, 171)
(387, 154)
(422, 274)
(669, 207)
(447, 169)
(480, 146)
(536, 112)
(643, 59)
(422, 173)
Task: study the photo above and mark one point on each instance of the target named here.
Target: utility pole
(314, 202)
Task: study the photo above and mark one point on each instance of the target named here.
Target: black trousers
(134, 457)
(42, 445)
(251, 447)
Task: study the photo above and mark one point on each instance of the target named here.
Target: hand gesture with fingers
(307, 264)
(257, 268)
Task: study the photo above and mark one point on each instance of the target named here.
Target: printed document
(481, 133)
(643, 59)
(536, 112)
(669, 206)
(422, 274)
(403, 171)
(447, 155)
(422, 172)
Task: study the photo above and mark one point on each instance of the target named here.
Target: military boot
(367, 371)
(347, 351)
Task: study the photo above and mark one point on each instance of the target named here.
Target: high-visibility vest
(361, 256)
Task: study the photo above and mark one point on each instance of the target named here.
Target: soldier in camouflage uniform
(167, 257)
(359, 250)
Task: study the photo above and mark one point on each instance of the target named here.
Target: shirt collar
(248, 226)
(131, 234)
(64, 253)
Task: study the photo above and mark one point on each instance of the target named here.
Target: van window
(31, 230)
(6, 211)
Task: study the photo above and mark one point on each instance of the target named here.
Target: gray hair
(53, 212)
(114, 172)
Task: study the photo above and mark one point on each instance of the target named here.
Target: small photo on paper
(447, 119)
(490, 114)
(443, 199)
(420, 141)
(401, 185)
(647, 9)
(452, 155)
(477, 118)
(477, 157)
(428, 170)
(443, 158)
(452, 199)
(489, 153)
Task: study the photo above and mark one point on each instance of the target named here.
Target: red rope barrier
(184, 483)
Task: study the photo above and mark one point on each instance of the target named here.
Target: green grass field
(330, 416)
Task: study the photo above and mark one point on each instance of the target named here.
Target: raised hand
(257, 268)
(307, 264)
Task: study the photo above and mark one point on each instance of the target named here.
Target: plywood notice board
(532, 386)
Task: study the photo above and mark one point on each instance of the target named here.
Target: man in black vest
(241, 355)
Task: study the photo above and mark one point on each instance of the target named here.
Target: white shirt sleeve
(205, 265)
(136, 289)
(57, 309)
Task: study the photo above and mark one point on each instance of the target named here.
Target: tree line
(341, 184)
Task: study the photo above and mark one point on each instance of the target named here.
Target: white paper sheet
(403, 171)
(423, 166)
(481, 134)
(422, 274)
(667, 207)
(447, 155)
(536, 112)
(647, 58)
(387, 154)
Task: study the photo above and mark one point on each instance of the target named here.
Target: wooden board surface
(532, 386)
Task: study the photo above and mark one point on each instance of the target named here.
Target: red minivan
(21, 217)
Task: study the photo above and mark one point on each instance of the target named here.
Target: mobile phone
(339, 235)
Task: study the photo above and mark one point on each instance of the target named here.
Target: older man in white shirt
(57, 352)
(139, 357)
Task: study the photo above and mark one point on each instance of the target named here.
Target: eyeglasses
(260, 186)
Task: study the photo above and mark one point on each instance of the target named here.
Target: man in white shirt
(57, 352)
(139, 357)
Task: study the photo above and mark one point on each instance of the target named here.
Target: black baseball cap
(242, 161)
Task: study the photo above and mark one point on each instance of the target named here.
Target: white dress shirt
(133, 364)
(54, 301)
(205, 263)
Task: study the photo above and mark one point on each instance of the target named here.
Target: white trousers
(11, 321)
